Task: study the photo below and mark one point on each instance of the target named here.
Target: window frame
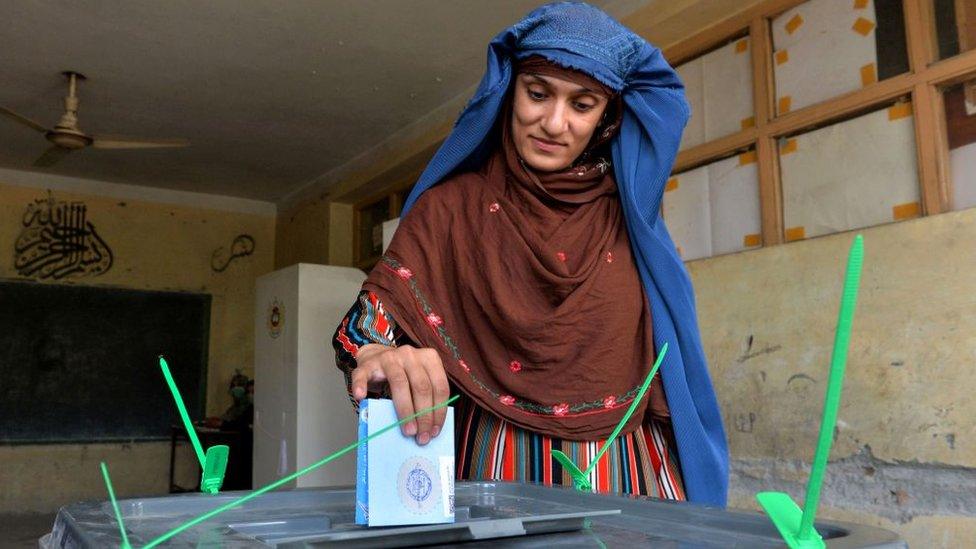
(395, 194)
(923, 84)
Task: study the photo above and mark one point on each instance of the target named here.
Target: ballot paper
(397, 480)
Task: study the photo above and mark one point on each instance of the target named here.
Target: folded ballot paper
(398, 481)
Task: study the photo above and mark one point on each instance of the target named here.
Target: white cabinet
(301, 409)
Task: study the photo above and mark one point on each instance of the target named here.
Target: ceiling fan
(66, 136)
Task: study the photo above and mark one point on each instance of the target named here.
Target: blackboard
(79, 363)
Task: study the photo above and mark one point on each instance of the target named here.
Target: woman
(537, 281)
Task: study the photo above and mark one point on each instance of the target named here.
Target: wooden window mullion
(931, 148)
(770, 191)
(767, 156)
(920, 34)
(930, 141)
(717, 148)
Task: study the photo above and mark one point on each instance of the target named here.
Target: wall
(319, 232)
(904, 456)
(340, 243)
(156, 246)
(302, 236)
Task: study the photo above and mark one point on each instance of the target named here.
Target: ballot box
(486, 513)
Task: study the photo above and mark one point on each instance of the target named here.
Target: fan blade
(51, 156)
(23, 120)
(121, 142)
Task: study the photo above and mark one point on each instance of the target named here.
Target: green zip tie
(213, 464)
(115, 506)
(794, 525)
(214, 467)
(581, 479)
(243, 499)
(190, 431)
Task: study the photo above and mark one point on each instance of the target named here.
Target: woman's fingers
(416, 379)
(360, 378)
(431, 361)
(396, 376)
(368, 374)
(422, 391)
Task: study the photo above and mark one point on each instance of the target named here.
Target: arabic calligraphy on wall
(58, 241)
(242, 246)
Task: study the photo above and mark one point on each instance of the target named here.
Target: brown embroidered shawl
(525, 284)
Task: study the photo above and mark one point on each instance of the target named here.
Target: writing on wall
(242, 246)
(58, 241)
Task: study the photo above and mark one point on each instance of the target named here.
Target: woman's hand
(416, 379)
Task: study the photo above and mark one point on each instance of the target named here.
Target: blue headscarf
(581, 37)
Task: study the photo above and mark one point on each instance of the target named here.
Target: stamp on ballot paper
(417, 484)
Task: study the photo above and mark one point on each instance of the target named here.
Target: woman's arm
(365, 324)
(379, 359)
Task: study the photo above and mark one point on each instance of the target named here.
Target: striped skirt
(489, 448)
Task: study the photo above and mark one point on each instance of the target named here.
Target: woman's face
(553, 120)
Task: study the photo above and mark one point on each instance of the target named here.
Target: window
(960, 113)
(847, 115)
(369, 230)
(718, 86)
(714, 209)
(854, 174)
(825, 48)
(955, 26)
(369, 218)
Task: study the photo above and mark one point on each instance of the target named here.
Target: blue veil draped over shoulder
(579, 36)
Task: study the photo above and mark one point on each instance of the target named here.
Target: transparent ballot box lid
(486, 513)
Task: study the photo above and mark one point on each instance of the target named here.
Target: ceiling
(272, 95)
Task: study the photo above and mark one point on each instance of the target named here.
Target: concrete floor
(23, 530)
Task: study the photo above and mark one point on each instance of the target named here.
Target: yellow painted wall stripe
(748, 122)
(751, 240)
(860, 4)
(742, 45)
(748, 157)
(782, 56)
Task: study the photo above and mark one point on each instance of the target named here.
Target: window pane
(961, 128)
(857, 173)
(955, 26)
(714, 209)
(718, 86)
(826, 48)
(370, 229)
